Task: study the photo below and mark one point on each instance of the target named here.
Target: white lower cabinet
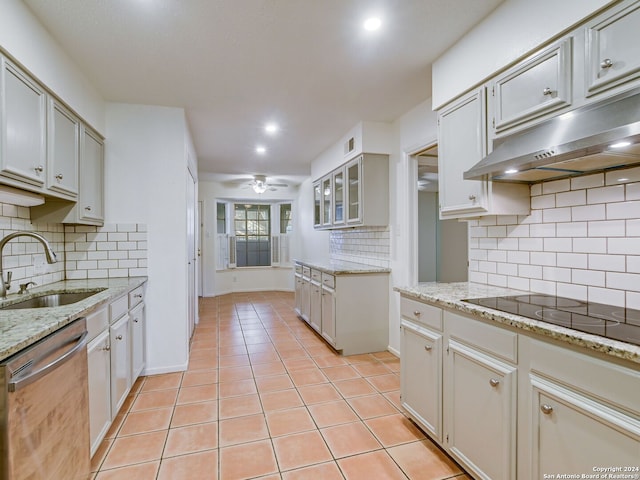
(137, 325)
(480, 400)
(315, 312)
(298, 294)
(421, 382)
(99, 359)
(120, 362)
(328, 311)
(513, 405)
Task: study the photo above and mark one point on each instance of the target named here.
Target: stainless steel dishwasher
(44, 413)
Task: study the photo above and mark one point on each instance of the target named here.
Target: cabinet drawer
(136, 296)
(306, 271)
(316, 275)
(298, 268)
(118, 308)
(329, 280)
(495, 341)
(97, 322)
(421, 313)
(616, 384)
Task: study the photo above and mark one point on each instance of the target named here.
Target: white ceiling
(236, 64)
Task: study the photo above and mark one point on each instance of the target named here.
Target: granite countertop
(23, 327)
(449, 295)
(335, 267)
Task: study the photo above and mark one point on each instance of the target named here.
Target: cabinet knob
(137, 295)
(119, 337)
(135, 320)
(472, 198)
(106, 348)
(417, 313)
(88, 209)
(606, 63)
(39, 169)
(494, 382)
(428, 348)
(547, 91)
(546, 409)
(59, 177)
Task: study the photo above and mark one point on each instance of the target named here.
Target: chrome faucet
(51, 257)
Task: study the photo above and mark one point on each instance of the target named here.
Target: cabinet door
(613, 49)
(317, 205)
(481, 418)
(329, 315)
(63, 150)
(461, 144)
(91, 197)
(535, 87)
(120, 362)
(327, 190)
(99, 360)
(137, 341)
(315, 314)
(573, 434)
(354, 191)
(298, 294)
(421, 376)
(23, 128)
(306, 296)
(338, 197)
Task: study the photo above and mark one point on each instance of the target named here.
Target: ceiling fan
(259, 184)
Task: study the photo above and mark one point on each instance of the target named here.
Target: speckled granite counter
(342, 268)
(449, 295)
(21, 328)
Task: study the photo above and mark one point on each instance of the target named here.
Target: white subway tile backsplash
(633, 191)
(497, 256)
(606, 295)
(497, 280)
(496, 231)
(588, 277)
(627, 175)
(572, 198)
(571, 229)
(613, 263)
(579, 292)
(587, 181)
(590, 245)
(623, 210)
(536, 189)
(633, 264)
(530, 271)
(623, 281)
(543, 201)
(531, 244)
(543, 258)
(573, 260)
(510, 269)
(606, 194)
(543, 286)
(607, 228)
(367, 245)
(554, 215)
(633, 300)
(556, 186)
(518, 257)
(519, 283)
(558, 245)
(624, 246)
(543, 230)
(506, 220)
(588, 212)
(508, 243)
(556, 274)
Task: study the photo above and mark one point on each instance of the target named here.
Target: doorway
(442, 253)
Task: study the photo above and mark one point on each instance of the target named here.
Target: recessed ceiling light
(620, 145)
(261, 150)
(372, 24)
(511, 170)
(271, 128)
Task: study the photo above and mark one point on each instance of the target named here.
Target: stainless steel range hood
(597, 137)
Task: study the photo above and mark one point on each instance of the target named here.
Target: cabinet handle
(547, 91)
(119, 337)
(88, 209)
(494, 382)
(428, 348)
(137, 295)
(417, 313)
(472, 198)
(39, 169)
(106, 348)
(546, 409)
(135, 320)
(606, 63)
(59, 177)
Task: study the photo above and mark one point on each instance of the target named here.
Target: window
(285, 218)
(221, 217)
(252, 227)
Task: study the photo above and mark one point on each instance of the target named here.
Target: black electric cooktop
(617, 323)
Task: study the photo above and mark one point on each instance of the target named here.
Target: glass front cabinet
(354, 194)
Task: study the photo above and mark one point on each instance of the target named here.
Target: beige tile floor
(264, 397)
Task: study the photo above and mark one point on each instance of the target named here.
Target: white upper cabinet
(23, 115)
(91, 198)
(354, 194)
(536, 86)
(613, 49)
(462, 144)
(63, 150)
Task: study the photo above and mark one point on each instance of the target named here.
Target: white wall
(24, 38)
(512, 30)
(146, 169)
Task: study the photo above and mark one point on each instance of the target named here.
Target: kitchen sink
(51, 300)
